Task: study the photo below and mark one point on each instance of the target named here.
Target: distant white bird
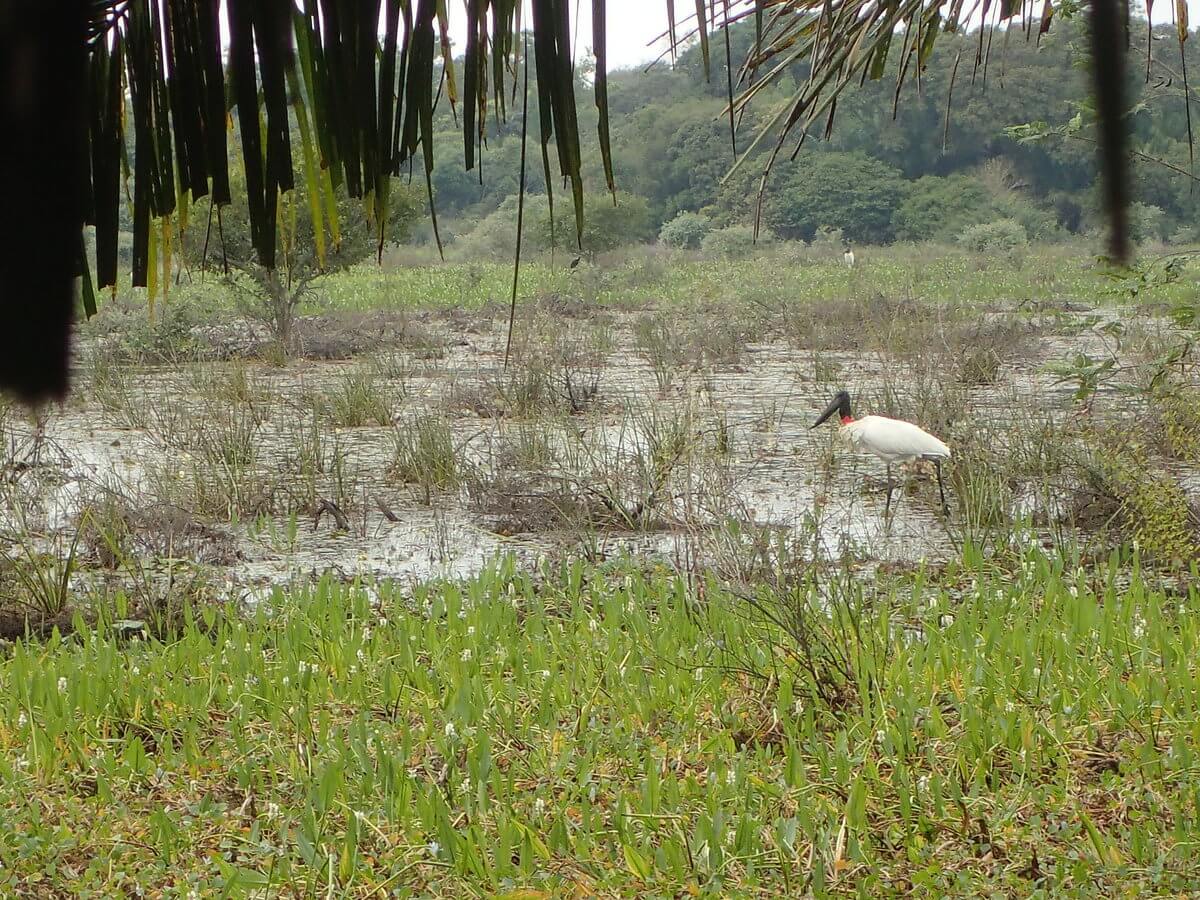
(892, 440)
(848, 256)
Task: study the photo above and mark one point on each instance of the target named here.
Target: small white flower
(286, 680)
(383, 622)
(1068, 710)
(137, 671)
(466, 655)
(451, 731)
(698, 674)
(539, 806)
(462, 613)
(880, 735)
(730, 777)
(592, 793)
(22, 719)
(361, 656)
(923, 783)
(470, 630)
(433, 848)
(366, 633)
(545, 673)
(353, 670)
(62, 685)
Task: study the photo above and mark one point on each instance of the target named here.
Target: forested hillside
(890, 169)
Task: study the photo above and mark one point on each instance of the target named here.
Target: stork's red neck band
(846, 420)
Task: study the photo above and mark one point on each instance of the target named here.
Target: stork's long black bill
(840, 404)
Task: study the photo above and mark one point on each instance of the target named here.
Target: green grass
(782, 274)
(596, 732)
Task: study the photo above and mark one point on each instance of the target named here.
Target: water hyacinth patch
(594, 736)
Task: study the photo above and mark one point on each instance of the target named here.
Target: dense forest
(894, 166)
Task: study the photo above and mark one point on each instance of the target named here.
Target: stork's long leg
(887, 508)
(937, 467)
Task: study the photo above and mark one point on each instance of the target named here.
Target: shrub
(1146, 222)
(829, 239)
(734, 240)
(686, 231)
(606, 225)
(1038, 223)
(1004, 236)
(1184, 234)
(938, 209)
(850, 191)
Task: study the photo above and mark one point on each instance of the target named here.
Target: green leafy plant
(686, 231)
(1004, 238)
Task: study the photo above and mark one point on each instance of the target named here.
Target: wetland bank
(387, 613)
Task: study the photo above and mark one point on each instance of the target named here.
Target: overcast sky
(633, 26)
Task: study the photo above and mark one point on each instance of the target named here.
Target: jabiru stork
(892, 440)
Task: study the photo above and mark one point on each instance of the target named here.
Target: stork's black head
(840, 405)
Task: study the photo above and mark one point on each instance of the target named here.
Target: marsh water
(735, 435)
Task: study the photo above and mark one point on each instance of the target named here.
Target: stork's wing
(893, 437)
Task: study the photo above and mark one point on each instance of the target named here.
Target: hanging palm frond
(361, 78)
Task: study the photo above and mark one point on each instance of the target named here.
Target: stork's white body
(893, 440)
(848, 256)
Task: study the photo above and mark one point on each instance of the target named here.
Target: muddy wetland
(401, 444)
